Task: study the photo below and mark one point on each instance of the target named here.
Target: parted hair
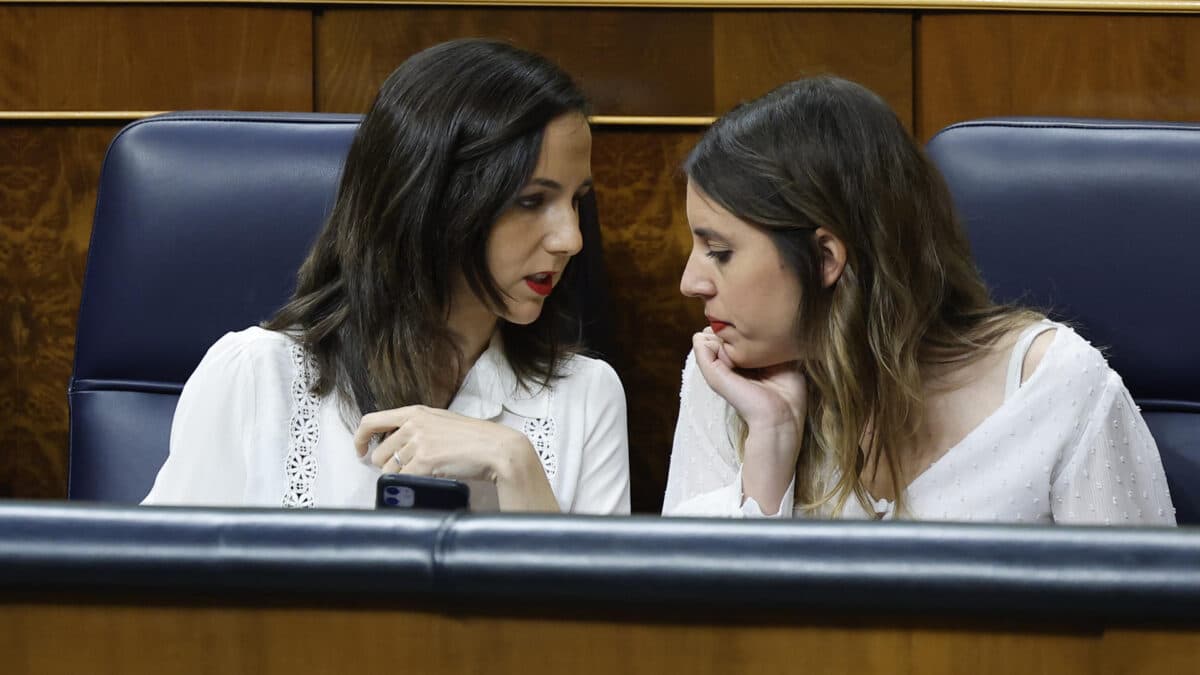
(451, 138)
(826, 152)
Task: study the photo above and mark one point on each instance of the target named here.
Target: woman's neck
(472, 324)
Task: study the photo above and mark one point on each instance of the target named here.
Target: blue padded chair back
(1098, 221)
(202, 220)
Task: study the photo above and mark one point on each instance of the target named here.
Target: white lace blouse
(1068, 445)
(247, 432)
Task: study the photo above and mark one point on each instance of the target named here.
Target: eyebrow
(705, 233)
(555, 185)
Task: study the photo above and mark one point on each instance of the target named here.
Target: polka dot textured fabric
(1067, 446)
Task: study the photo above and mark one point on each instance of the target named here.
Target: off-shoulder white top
(1066, 446)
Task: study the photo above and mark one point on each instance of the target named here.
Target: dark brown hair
(451, 138)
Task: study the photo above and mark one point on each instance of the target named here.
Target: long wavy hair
(826, 152)
(452, 137)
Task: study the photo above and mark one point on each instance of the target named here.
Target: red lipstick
(541, 283)
(717, 324)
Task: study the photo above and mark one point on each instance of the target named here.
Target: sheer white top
(248, 433)
(1068, 445)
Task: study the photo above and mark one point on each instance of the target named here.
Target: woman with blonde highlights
(855, 365)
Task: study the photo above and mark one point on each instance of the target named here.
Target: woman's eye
(530, 201)
(721, 257)
(579, 197)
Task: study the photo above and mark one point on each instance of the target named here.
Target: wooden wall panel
(48, 177)
(152, 638)
(756, 51)
(99, 58)
(639, 192)
(1123, 66)
(154, 58)
(630, 62)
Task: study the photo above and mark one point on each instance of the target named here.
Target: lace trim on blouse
(303, 433)
(541, 432)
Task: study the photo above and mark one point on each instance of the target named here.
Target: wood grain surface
(647, 62)
(755, 52)
(48, 178)
(154, 58)
(639, 192)
(129, 640)
(982, 65)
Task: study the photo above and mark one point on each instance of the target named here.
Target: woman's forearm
(769, 463)
(521, 483)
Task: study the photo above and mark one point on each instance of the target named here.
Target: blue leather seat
(1098, 221)
(202, 220)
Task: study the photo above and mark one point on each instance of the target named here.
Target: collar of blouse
(491, 386)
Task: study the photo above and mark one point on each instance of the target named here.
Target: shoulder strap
(1017, 360)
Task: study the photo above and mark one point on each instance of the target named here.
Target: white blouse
(1066, 446)
(247, 432)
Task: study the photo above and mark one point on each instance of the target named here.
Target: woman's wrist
(770, 419)
(769, 464)
(513, 458)
(521, 483)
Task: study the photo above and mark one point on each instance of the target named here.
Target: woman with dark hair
(855, 365)
(422, 336)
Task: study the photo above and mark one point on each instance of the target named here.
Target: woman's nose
(565, 238)
(695, 283)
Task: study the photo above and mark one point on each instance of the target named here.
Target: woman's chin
(749, 359)
(523, 316)
(740, 360)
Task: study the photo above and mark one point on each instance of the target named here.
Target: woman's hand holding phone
(424, 441)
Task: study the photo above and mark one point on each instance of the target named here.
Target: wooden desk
(64, 637)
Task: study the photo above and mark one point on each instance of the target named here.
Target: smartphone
(402, 491)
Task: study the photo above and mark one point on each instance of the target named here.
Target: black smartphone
(402, 491)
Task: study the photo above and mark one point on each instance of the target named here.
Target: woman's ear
(833, 256)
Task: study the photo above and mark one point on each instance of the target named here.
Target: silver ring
(396, 459)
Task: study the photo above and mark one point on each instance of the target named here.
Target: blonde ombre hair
(826, 152)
